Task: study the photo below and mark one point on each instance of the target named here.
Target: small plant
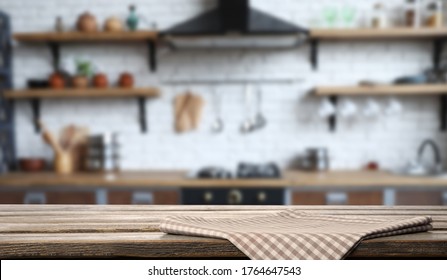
(84, 68)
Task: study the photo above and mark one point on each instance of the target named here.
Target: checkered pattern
(294, 234)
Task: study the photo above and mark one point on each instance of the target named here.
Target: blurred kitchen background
(336, 102)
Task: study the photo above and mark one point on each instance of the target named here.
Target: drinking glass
(330, 16)
(348, 14)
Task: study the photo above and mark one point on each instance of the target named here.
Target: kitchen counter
(50, 231)
(163, 179)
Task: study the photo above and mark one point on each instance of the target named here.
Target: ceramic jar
(87, 23)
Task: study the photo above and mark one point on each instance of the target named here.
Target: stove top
(244, 171)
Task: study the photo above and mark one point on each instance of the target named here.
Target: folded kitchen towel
(293, 234)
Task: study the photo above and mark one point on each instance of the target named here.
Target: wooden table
(50, 231)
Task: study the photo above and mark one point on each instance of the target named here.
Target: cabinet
(338, 198)
(157, 197)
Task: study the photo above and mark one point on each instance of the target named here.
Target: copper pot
(87, 23)
(32, 164)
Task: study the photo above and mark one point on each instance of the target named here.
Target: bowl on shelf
(32, 164)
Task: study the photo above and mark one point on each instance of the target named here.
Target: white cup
(371, 109)
(326, 109)
(394, 107)
(348, 109)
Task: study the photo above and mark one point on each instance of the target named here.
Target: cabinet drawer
(419, 198)
(12, 197)
(365, 198)
(309, 198)
(70, 197)
(158, 197)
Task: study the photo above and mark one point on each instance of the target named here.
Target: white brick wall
(291, 112)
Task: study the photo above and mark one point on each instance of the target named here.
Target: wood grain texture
(115, 231)
(174, 179)
(73, 36)
(370, 34)
(385, 90)
(82, 93)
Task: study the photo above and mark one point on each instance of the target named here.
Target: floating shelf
(369, 33)
(385, 90)
(82, 93)
(74, 36)
(35, 95)
(437, 35)
(55, 39)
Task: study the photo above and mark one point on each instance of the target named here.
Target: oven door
(233, 196)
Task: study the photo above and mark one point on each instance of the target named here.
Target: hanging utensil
(260, 120)
(248, 123)
(217, 126)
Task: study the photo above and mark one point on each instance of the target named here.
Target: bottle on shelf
(413, 14)
(435, 15)
(379, 18)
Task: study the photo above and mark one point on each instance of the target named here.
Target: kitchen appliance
(315, 159)
(233, 196)
(235, 16)
(103, 152)
(236, 195)
(253, 171)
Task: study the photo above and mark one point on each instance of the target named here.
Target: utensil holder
(63, 163)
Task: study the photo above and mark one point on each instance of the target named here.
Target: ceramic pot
(80, 82)
(126, 80)
(113, 24)
(100, 81)
(56, 81)
(87, 23)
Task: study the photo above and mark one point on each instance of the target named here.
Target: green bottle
(132, 19)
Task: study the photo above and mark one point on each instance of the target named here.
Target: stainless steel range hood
(235, 17)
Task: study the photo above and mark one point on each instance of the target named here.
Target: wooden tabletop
(148, 179)
(66, 231)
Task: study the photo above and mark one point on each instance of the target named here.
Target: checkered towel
(294, 234)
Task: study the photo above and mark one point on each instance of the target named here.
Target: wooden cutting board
(188, 109)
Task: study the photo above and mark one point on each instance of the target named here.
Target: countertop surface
(105, 231)
(145, 179)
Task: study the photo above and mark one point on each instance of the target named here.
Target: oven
(234, 196)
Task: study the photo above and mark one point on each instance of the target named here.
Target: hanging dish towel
(295, 235)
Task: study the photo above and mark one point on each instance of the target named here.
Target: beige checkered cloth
(294, 234)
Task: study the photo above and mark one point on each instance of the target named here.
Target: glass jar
(379, 19)
(412, 14)
(435, 15)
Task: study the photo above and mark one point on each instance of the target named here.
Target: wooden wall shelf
(369, 33)
(55, 39)
(82, 93)
(74, 36)
(35, 95)
(333, 92)
(382, 90)
(437, 35)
